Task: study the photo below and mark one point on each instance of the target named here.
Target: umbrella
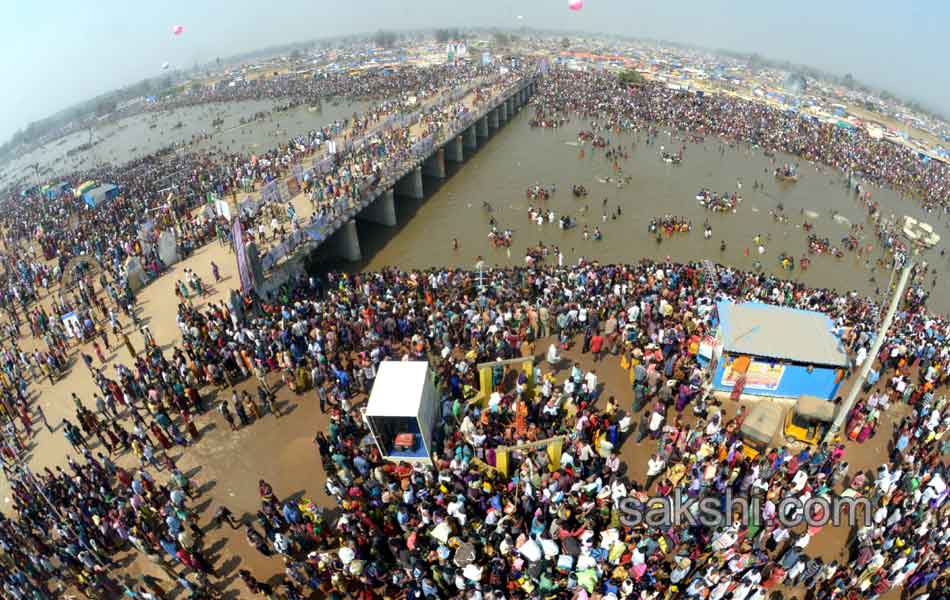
(465, 555)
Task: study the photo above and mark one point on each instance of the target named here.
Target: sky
(59, 53)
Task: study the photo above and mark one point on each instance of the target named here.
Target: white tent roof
(398, 389)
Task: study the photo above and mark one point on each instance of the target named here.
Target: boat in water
(920, 233)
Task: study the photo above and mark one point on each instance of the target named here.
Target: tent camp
(100, 194)
(402, 410)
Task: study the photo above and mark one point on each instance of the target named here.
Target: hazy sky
(58, 52)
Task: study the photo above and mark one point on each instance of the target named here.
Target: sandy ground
(226, 465)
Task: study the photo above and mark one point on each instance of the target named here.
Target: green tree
(630, 77)
(848, 80)
(565, 43)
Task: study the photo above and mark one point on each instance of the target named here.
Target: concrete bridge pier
(483, 127)
(411, 185)
(471, 138)
(382, 210)
(511, 107)
(493, 119)
(434, 166)
(503, 111)
(345, 243)
(453, 150)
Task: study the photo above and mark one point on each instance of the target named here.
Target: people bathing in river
(787, 172)
(500, 239)
(717, 202)
(541, 216)
(596, 235)
(669, 225)
(538, 192)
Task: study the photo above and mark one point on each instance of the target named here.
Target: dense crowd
(375, 83)
(603, 98)
(459, 529)
(160, 192)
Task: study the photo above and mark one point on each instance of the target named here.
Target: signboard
(244, 271)
(298, 172)
(270, 192)
(222, 209)
(760, 376)
(71, 324)
(293, 187)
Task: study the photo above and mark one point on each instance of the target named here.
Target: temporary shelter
(96, 196)
(83, 188)
(776, 351)
(402, 410)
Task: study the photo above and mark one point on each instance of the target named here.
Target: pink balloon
(575, 5)
(178, 29)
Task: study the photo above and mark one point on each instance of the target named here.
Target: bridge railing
(323, 224)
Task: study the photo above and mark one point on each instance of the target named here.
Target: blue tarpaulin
(100, 194)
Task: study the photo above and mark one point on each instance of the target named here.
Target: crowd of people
(160, 191)
(602, 97)
(553, 525)
(459, 528)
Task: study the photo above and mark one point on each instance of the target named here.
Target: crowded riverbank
(607, 340)
(177, 422)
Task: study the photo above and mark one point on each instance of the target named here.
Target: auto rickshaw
(760, 427)
(808, 420)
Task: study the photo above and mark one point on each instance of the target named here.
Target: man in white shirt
(591, 379)
(655, 466)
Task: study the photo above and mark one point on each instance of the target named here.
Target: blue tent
(100, 194)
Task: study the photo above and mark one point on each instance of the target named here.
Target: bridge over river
(336, 236)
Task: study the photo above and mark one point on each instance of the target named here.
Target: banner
(223, 209)
(293, 188)
(237, 238)
(759, 376)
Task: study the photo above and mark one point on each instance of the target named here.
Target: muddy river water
(123, 140)
(518, 157)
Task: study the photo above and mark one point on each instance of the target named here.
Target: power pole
(845, 408)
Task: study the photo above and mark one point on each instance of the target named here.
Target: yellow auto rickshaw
(760, 427)
(808, 420)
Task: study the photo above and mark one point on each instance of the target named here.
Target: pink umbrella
(179, 29)
(575, 5)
